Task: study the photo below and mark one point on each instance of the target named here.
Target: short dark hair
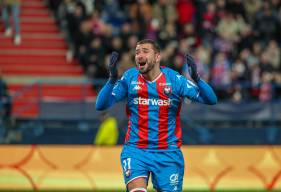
(155, 46)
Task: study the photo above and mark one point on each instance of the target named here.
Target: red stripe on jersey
(163, 112)
(178, 131)
(129, 124)
(142, 114)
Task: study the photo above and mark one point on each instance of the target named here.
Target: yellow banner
(91, 168)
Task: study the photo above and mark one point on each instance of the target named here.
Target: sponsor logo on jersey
(154, 102)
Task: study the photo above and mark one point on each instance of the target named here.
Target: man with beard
(154, 97)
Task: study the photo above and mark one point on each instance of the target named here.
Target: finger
(189, 57)
(190, 61)
(114, 57)
(115, 54)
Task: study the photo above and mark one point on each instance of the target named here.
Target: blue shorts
(166, 167)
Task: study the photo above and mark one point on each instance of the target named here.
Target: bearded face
(146, 58)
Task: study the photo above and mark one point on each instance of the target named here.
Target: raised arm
(105, 98)
(206, 93)
(203, 92)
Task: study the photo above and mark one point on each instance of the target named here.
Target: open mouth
(142, 63)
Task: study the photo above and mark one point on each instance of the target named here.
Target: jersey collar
(152, 80)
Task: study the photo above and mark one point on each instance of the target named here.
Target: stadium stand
(236, 43)
(39, 58)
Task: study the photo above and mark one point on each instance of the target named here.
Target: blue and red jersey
(153, 107)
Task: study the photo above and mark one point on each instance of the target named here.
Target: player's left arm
(205, 93)
(201, 92)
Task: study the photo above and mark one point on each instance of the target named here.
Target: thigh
(138, 183)
(169, 172)
(134, 167)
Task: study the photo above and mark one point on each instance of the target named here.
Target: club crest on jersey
(167, 90)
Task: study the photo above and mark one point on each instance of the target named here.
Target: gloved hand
(112, 67)
(192, 68)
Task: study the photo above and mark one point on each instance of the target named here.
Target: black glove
(112, 67)
(192, 68)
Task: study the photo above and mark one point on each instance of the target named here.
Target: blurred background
(53, 62)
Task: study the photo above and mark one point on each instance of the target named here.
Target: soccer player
(154, 97)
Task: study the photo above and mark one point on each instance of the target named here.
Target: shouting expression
(146, 58)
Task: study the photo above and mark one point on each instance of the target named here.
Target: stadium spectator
(189, 35)
(272, 51)
(221, 74)
(70, 15)
(153, 139)
(54, 5)
(230, 27)
(126, 62)
(237, 8)
(242, 30)
(251, 8)
(266, 93)
(239, 72)
(5, 109)
(12, 6)
(83, 40)
(221, 8)
(168, 34)
(209, 23)
(186, 11)
(267, 24)
(164, 11)
(202, 57)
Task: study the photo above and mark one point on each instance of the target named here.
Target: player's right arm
(113, 90)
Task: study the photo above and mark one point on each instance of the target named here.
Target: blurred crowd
(235, 43)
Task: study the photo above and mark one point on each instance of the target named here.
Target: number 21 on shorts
(127, 166)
